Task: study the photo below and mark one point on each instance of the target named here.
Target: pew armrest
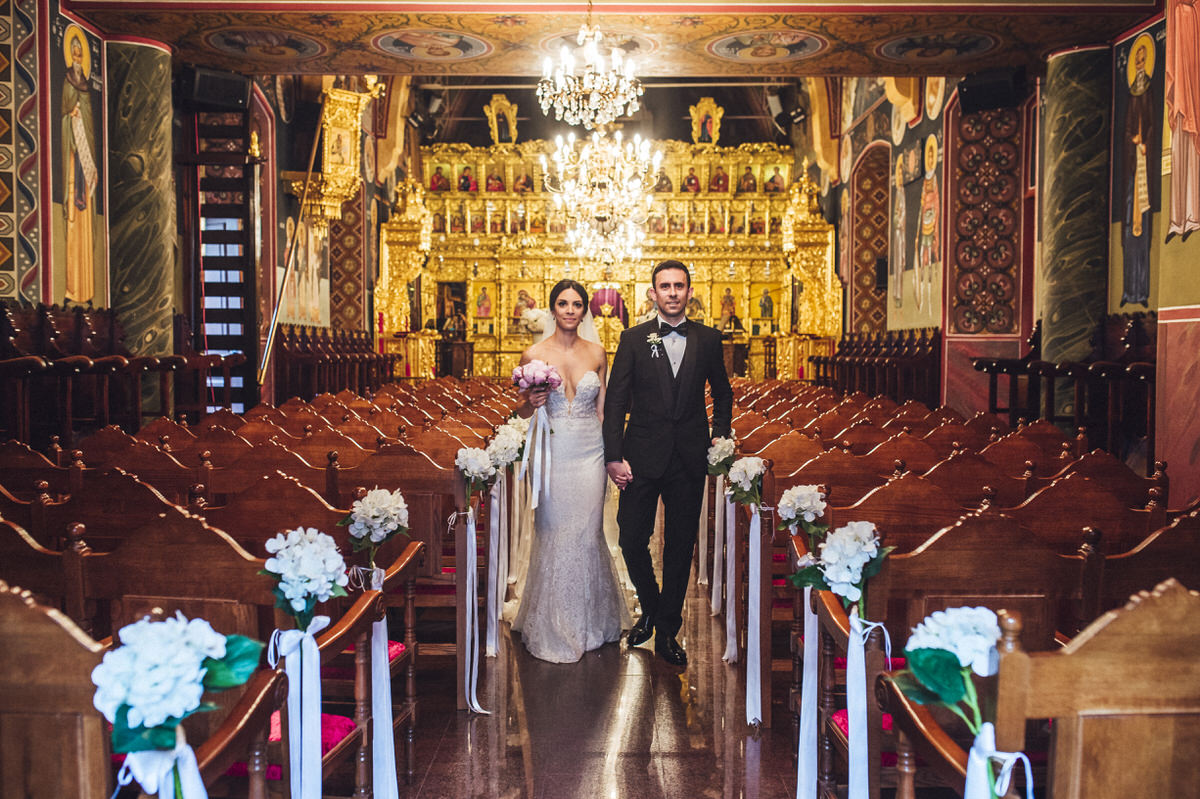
(929, 740)
(264, 693)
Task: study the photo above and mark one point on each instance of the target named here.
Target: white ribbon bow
(383, 741)
(856, 702)
(983, 751)
(719, 544)
(753, 615)
(537, 450)
(731, 630)
(806, 757)
(152, 768)
(302, 664)
(471, 655)
(497, 576)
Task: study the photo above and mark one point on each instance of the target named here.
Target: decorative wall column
(141, 194)
(1076, 95)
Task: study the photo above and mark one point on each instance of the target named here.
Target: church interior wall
(20, 189)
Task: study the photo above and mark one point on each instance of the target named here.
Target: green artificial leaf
(810, 576)
(938, 670)
(911, 687)
(347, 520)
(359, 544)
(721, 468)
(242, 655)
(338, 590)
(127, 739)
(873, 566)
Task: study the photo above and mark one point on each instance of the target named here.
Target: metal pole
(290, 252)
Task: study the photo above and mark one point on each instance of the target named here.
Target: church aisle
(619, 723)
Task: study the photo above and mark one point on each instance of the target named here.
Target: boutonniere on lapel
(655, 341)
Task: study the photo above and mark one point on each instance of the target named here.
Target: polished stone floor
(619, 723)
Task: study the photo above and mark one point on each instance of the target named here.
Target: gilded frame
(501, 108)
(706, 121)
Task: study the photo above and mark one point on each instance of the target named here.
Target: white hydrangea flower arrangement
(800, 507)
(849, 556)
(943, 652)
(506, 446)
(745, 480)
(375, 518)
(308, 569)
(477, 467)
(721, 455)
(158, 674)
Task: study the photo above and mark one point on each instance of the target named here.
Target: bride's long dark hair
(562, 286)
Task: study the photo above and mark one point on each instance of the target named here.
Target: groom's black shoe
(669, 648)
(641, 631)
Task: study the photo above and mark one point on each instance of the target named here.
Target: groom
(658, 377)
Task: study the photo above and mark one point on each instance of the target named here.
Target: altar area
(472, 250)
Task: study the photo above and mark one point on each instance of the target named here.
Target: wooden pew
(1124, 697)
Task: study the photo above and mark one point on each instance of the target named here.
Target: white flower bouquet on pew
(800, 507)
(508, 444)
(375, 519)
(848, 557)
(154, 680)
(942, 654)
(721, 456)
(477, 467)
(308, 569)
(745, 480)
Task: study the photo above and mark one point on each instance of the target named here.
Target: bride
(571, 602)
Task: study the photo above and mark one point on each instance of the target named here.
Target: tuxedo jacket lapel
(662, 368)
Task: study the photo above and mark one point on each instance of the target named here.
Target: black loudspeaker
(215, 89)
(881, 274)
(995, 88)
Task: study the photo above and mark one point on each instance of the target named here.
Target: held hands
(619, 472)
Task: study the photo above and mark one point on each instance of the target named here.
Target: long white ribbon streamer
(806, 756)
(731, 586)
(983, 751)
(719, 545)
(152, 769)
(702, 567)
(497, 561)
(537, 451)
(383, 741)
(471, 673)
(754, 612)
(856, 702)
(302, 664)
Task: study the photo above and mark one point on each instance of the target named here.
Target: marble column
(142, 230)
(1076, 116)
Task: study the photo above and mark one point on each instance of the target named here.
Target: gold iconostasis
(482, 233)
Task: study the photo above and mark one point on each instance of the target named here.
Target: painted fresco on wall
(896, 260)
(77, 163)
(1137, 153)
(1183, 114)
(927, 261)
(20, 181)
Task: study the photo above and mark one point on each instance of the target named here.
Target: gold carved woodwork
(508, 241)
(404, 247)
(502, 119)
(706, 121)
(340, 175)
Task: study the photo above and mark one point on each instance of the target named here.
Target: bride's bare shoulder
(533, 353)
(595, 352)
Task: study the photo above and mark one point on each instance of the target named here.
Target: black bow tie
(664, 329)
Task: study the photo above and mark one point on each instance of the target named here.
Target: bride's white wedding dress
(571, 602)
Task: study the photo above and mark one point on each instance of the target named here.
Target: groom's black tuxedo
(666, 442)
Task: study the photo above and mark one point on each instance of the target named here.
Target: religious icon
(483, 304)
(1140, 137)
(494, 182)
(928, 236)
(1183, 115)
(438, 181)
(774, 184)
(691, 182)
(706, 121)
(719, 180)
(523, 184)
(663, 183)
(524, 302)
(766, 305)
(80, 166)
(899, 226)
(747, 182)
(502, 119)
(728, 307)
(466, 181)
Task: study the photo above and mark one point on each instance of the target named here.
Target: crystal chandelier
(599, 95)
(602, 186)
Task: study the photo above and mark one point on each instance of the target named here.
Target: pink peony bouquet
(536, 374)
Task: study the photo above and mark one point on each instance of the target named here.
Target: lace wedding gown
(571, 602)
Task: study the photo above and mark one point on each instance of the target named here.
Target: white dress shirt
(675, 345)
